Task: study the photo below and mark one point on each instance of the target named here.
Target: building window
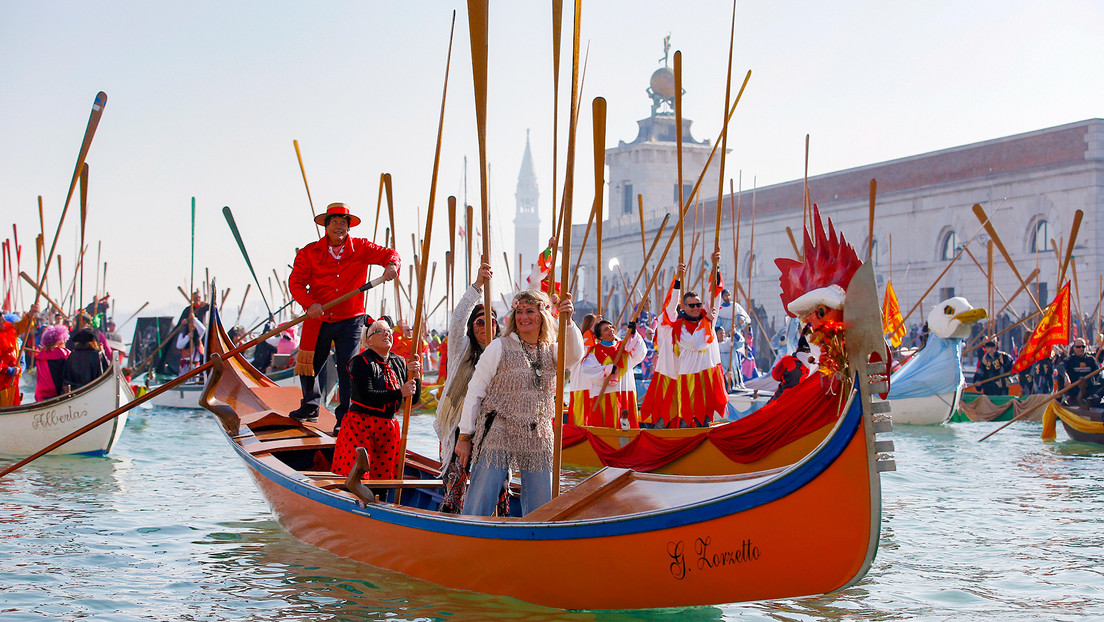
(945, 293)
(1041, 294)
(1040, 237)
(949, 248)
(628, 199)
(686, 190)
(874, 253)
(752, 263)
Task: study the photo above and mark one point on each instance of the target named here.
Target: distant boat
(1081, 424)
(619, 539)
(27, 428)
(927, 388)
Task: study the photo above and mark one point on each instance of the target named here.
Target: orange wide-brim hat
(337, 209)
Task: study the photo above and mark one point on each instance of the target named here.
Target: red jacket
(318, 277)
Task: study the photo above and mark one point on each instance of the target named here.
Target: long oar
(34, 285)
(419, 306)
(724, 151)
(678, 150)
(477, 29)
(93, 122)
(134, 315)
(1077, 216)
(394, 236)
(314, 214)
(979, 212)
(565, 216)
(241, 307)
(241, 246)
(193, 372)
(598, 117)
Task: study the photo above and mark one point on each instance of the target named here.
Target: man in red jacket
(325, 270)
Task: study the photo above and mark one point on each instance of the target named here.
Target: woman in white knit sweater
(510, 403)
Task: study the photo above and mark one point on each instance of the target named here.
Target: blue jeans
(486, 486)
(343, 336)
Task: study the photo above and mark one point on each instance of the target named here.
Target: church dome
(663, 83)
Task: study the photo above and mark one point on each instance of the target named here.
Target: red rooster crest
(823, 277)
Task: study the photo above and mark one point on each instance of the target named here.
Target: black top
(370, 395)
(84, 365)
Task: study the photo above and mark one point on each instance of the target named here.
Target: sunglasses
(380, 332)
(1078, 347)
(694, 305)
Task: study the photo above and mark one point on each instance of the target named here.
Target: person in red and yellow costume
(580, 389)
(607, 374)
(687, 386)
(11, 329)
(323, 271)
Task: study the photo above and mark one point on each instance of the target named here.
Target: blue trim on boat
(567, 530)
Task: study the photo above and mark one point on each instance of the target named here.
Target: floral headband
(544, 305)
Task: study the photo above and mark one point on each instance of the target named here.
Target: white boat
(27, 428)
(926, 389)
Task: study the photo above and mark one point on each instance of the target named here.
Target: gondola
(1083, 425)
(619, 539)
(26, 428)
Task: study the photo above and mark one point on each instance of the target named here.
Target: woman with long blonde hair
(511, 402)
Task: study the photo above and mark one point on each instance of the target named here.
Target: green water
(170, 528)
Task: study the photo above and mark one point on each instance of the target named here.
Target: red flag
(1053, 330)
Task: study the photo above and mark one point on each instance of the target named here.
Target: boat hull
(925, 410)
(756, 545)
(28, 428)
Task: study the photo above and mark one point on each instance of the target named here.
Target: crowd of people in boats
(66, 353)
(1064, 366)
(496, 377)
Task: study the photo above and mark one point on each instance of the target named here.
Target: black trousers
(343, 336)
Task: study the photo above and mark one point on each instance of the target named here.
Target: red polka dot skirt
(379, 436)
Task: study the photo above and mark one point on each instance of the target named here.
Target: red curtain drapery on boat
(801, 410)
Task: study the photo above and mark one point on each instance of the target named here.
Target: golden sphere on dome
(663, 83)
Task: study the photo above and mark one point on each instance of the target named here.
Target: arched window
(874, 253)
(949, 248)
(751, 264)
(1040, 237)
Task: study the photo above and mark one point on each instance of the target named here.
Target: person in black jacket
(380, 383)
(86, 361)
(991, 375)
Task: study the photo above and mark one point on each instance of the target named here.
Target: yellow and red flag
(893, 325)
(1053, 330)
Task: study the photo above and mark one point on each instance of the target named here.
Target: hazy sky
(205, 99)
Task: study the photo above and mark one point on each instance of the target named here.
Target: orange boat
(619, 539)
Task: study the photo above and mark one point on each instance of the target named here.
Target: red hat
(337, 209)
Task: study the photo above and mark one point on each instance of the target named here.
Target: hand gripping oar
(197, 370)
(241, 245)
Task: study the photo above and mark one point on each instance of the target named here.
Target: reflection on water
(168, 528)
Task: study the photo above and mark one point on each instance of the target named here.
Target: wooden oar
(979, 212)
(678, 150)
(557, 29)
(644, 270)
(44, 295)
(582, 247)
(870, 221)
(1077, 216)
(598, 119)
(415, 349)
(477, 29)
(724, 150)
(394, 238)
(93, 122)
(193, 372)
(314, 214)
(241, 246)
(1037, 406)
(134, 315)
(565, 216)
(241, 307)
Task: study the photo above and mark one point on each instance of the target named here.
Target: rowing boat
(27, 428)
(1081, 424)
(619, 539)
